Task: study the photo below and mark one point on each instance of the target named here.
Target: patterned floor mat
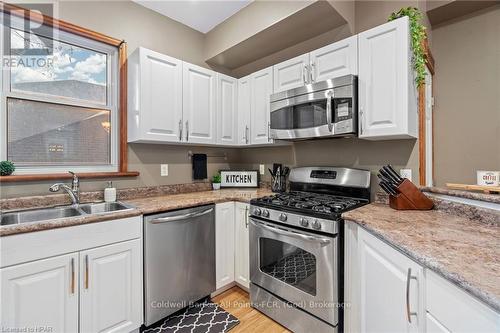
(205, 317)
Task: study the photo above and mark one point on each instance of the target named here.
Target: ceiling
(201, 15)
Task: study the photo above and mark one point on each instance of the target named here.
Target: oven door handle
(329, 97)
(321, 240)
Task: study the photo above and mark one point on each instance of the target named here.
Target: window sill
(56, 176)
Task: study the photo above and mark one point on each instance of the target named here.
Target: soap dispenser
(110, 193)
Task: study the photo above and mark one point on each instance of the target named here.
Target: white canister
(488, 178)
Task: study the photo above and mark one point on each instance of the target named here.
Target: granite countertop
(464, 251)
(148, 205)
(495, 198)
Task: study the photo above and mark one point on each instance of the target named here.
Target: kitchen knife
(387, 180)
(389, 176)
(388, 189)
(393, 172)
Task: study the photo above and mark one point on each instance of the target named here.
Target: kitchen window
(60, 98)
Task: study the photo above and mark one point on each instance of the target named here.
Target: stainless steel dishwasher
(179, 260)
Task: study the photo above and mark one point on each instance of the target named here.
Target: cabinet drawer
(457, 310)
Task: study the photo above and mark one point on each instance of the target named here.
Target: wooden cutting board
(465, 187)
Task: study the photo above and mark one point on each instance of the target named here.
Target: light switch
(164, 170)
(262, 169)
(405, 173)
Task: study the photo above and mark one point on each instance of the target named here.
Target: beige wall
(467, 97)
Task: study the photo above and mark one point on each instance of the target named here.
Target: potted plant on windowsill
(6, 168)
(216, 181)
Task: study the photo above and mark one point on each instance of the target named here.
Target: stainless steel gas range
(296, 247)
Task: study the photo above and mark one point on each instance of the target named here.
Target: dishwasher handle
(180, 217)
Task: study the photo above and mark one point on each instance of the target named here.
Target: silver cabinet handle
(361, 121)
(409, 277)
(322, 241)
(246, 217)
(246, 134)
(87, 271)
(180, 217)
(268, 131)
(187, 130)
(180, 130)
(304, 74)
(311, 72)
(72, 275)
(329, 97)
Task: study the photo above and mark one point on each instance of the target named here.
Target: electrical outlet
(164, 170)
(262, 169)
(405, 173)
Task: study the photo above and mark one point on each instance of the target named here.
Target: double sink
(46, 214)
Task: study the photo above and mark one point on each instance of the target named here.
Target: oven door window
(305, 115)
(289, 264)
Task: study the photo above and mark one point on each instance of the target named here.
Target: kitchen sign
(239, 179)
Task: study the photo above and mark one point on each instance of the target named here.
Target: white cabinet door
(241, 241)
(262, 86)
(291, 74)
(199, 104)
(334, 60)
(387, 92)
(155, 97)
(42, 293)
(383, 274)
(111, 288)
(227, 110)
(224, 244)
(244, 109)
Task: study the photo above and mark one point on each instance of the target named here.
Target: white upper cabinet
(199, 104)
(111, 288)
(334, 60)
(227, 110)
(244, 109)
(262, 88)
(291, 74)
(155, 97)
(42, 293)
(386, 86)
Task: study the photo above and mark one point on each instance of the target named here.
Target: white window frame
(112, 100)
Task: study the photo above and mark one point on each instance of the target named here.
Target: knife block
(410, 198)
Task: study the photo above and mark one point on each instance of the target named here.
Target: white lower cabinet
(42, 293)
(232, 263)
(388, 292)
(111, 288)
(241, 243)
(224, 244)
(96, 287)
(389, 287)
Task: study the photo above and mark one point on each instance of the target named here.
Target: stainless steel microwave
(318, 110)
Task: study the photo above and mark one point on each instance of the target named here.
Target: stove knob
(257, 211)
(303, 222)
(282, 217)
(265, 213)
(316, 225)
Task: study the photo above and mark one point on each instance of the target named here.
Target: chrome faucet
(73, 192)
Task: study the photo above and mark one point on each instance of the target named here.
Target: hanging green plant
(418, 35)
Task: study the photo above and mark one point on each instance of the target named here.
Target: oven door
(297, 266)
(317, 114)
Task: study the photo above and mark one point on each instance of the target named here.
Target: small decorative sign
(488, 178)
(239, 178)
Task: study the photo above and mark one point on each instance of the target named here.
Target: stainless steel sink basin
(36, 215)
(103, 207)
(45, 214)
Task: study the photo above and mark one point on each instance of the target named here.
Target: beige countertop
(146, 205)
(463, 250)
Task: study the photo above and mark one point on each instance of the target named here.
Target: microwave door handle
(322, 241)
(329, 97)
